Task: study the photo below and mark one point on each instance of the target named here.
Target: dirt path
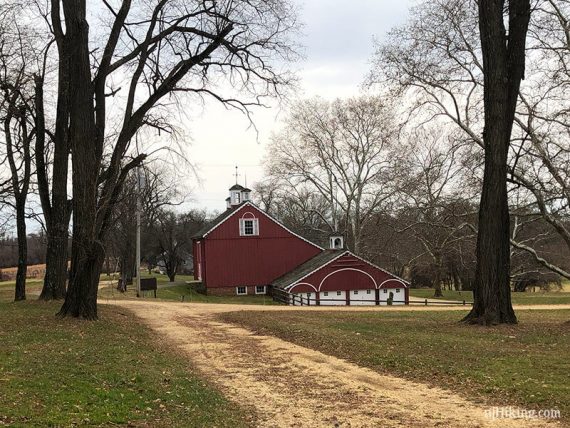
(292, 386)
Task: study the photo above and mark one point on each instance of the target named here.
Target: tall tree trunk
(57, 210)
(86, 249)
(437, 280)
(503, 68)
(22, 249)
(56, 262)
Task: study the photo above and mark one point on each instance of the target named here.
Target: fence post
(464, 303)
(426, 302)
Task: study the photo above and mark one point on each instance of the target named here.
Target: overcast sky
(338, 44)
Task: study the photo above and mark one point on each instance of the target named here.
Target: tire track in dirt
(293, 386)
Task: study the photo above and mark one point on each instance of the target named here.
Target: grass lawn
(526, 364)
(109, 372)
(525, 298)
(177, 291)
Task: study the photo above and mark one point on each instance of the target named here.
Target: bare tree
(151, 186)
(343, 151)
(173, 237)
(436, 60)
(436, 209)
(468, 50)
(152, 57)
(18, 134)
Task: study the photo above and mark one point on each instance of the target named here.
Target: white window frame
(355, 292)
(255, 224)
(326, 293)
(261, 292)
(338, 293)
(241, 294)
(368, 291)
(397, 290)
(385, 290)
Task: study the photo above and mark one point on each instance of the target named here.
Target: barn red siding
(234, 260)
(344, 274)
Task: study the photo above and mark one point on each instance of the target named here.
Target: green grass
(110, 372)
(526, 364)
(177, 291)
(7, 289)
(161, 279)
(524, 298)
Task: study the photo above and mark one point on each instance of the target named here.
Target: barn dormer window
(249, 227)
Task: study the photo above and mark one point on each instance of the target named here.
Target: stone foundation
(231, 291)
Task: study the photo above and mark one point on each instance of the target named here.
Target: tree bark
(87, 251)
(503, 68)
(56, 275)
(57, 210)
(20, 184)
(437, 280)
(20, 293)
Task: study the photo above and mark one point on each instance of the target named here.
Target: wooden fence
(282, 296)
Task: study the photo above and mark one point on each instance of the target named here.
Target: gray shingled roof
(217, 220)
(306, 268)
(236, 187)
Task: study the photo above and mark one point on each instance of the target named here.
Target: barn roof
(218, 220)
(237, 187)
(308, 267)
(319, 261)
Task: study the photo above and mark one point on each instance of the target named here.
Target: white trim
(254, 226)
(266, 215)
(241, 294)
(199, 259)
(406, 283)
(264, 289)
(317, 269)
(306, 283)
(340, 270)
(392, 279)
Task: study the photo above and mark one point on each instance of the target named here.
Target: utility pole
(138, 244)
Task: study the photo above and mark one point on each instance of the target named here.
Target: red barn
(246, 251)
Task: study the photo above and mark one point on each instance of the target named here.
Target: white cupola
(336, 242)
(245, 194)
(237, 195)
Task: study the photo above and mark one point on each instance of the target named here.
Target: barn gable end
(341, 273)
(233, 258)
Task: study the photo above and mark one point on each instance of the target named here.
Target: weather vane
(237, 175)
